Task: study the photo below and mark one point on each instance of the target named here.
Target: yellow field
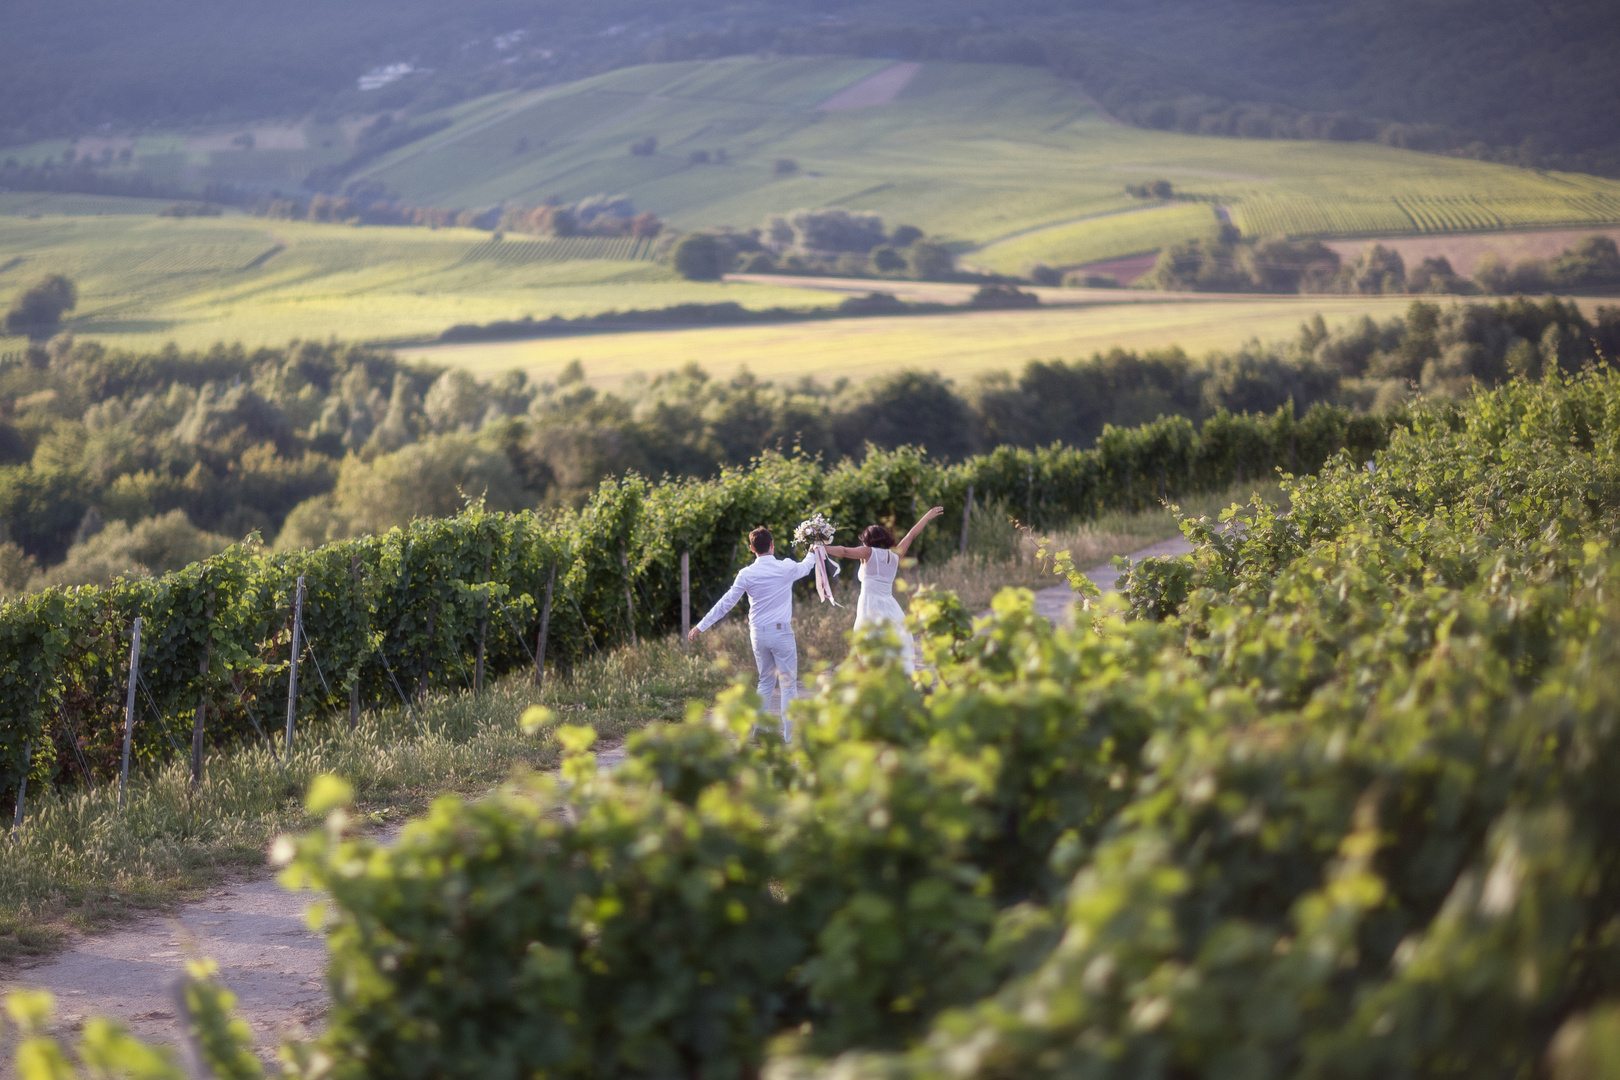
(146, 280)
(957, 346)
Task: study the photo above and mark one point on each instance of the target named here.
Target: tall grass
(79, 862)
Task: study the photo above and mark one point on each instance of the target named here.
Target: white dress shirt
(768, 582)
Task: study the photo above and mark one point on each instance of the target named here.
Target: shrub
(697, 257)
(928, 261)
(37, 310)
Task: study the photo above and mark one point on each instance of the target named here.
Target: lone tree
(37, 310)
(698, 257)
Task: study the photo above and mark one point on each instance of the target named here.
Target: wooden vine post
(967, 515)
(629, 601)
(202, 701)
(483, 630)
(686, 597)
(354, 682)
(129, 707)
(427, 654)
(292, 670)
(22, 788)
(545, 626)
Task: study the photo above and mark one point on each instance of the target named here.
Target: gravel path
(255, 930)
(1054, 603)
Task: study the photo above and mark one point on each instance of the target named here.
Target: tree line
(829, 240)
(1272, 265)
(136, 461)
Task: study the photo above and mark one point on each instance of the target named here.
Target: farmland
(1095, 239)
(145, 280)
(1009, 164)
(957, 346)
(973, 152)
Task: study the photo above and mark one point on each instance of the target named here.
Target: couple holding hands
(768, 584)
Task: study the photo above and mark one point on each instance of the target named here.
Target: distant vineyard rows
(1298, 216)
(511, 252)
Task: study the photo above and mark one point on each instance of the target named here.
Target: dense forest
(114, 462)
(1529, 84)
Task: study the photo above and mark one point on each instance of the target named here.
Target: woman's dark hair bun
(877, 536)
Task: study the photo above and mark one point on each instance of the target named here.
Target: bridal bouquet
(818, 530)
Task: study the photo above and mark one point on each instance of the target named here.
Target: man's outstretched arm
(721, 608)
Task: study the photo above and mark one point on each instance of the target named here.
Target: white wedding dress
(878, 605)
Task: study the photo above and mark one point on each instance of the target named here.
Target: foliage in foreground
(1333, 803)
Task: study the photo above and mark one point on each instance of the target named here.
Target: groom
(768, 581)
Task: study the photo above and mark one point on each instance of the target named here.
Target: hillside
(1009, 163)
(1490, 78)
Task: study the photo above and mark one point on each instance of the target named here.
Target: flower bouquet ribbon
(818, 532)
(823, 586)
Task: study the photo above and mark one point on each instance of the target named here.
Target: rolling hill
(1008, 163)
(1496, 79)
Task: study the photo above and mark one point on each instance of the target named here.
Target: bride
(880, 556)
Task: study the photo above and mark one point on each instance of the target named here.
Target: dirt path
(255, 930)
(1054, 603)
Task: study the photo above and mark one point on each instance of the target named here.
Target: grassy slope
(976, 152)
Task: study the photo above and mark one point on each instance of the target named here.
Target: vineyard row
(439, 603)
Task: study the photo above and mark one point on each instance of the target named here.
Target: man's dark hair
(760, 540)
(877, 536)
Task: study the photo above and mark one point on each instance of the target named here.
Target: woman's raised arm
(862, 553)
(900, 548)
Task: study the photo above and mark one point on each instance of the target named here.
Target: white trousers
(776, 655)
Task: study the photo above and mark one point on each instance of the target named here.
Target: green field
(146, 280)
(1095, 239)
(974, 152)
(957, 346)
